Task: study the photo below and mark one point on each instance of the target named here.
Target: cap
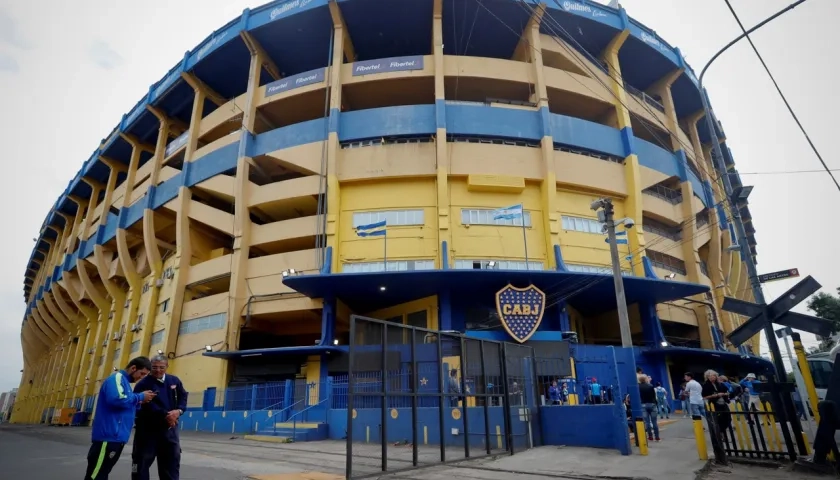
(750, 375)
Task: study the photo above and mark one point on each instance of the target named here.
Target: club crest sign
(521, 310)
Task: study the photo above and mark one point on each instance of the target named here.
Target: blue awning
(590, 293)
(278, 351)
(709, 357)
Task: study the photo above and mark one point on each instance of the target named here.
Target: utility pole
(606, 212)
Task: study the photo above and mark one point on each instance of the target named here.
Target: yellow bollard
(700, 437)
(641, 436)
(807, 445)
(805, 369)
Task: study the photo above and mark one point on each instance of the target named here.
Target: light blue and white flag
(508, 213)
(372, 229)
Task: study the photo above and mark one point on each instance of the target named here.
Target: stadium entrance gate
(418, 397)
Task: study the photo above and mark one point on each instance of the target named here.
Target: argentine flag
(372, 229)
(508, 213)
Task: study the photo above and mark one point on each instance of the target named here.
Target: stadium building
(314, 159)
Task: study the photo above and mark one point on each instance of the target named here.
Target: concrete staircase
(286, 432)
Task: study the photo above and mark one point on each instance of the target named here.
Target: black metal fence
(756, 430)
(419, 397)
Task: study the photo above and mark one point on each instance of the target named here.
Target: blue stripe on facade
(682, 169)
(335, 118)
(628, 141)
(545, 122)
(440, 113)
(393, 121)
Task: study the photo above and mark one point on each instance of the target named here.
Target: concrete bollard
(700, 437)
(641, 436)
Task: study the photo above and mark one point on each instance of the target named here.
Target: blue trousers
(649, 411)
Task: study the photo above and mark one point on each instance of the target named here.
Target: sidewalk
(674, 458)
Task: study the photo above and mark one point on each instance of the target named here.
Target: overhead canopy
(589, 293)
(715, 359)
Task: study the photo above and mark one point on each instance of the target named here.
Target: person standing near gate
(454, 388)
(114, 416)
(156, 434)
(596, 392)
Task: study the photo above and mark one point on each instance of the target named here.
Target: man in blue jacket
(114, 417)
(156, 433)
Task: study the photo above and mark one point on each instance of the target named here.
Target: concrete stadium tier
(217, 223)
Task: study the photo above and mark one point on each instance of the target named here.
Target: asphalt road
(58, 453)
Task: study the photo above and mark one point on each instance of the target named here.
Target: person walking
(695, 395)
(156, 435)
(662, 401)
(114, 416)
(684, 401)
(647, 393)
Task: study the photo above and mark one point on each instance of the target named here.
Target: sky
(69, 70)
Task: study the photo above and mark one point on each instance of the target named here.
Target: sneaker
(658, 439)
(650, 439)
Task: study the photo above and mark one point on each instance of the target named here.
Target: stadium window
(474, 216)
(135, 345)
(157, 337)
(580, 224)
(393, 218)
(393, 266)
(497, 265)
(210, 322)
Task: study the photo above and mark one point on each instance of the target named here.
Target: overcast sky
(69, 70)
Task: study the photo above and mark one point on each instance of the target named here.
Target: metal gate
(418, 397)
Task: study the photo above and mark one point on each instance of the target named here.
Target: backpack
(737, 390)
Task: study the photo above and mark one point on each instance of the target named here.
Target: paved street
(50, 453)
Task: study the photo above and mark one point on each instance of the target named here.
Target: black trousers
(165, 447)
(101, 458)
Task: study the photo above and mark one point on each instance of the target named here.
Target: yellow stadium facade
(218, 222)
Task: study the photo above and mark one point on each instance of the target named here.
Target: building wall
(170, 246)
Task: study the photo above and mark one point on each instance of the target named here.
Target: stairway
(300, 432)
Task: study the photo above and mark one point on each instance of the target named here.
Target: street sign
(777, 312)
(770, 277)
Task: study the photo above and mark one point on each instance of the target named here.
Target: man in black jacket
(649, 408)
(156, 425)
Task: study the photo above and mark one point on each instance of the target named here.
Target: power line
(782, 95)
(788, 172)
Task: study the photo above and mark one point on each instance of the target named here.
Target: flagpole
(524, 238)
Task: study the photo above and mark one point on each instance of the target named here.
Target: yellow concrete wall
(404, 242)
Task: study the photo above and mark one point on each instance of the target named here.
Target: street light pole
(740, 232)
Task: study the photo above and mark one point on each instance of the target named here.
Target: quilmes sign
(291, 83)
(583, 9)
(520, 310)
(652, 40)
(288, 7)
(211, 44)
(394, 64)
